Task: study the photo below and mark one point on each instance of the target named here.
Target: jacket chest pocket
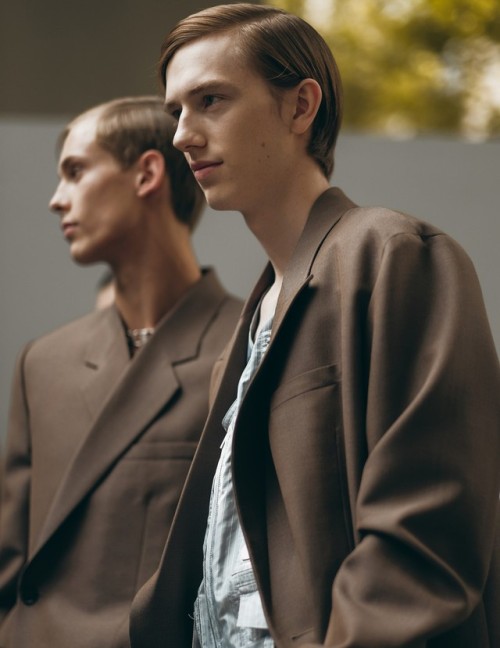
(304, 384)
(305, 438)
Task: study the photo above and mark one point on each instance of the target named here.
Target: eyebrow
(208, 87)
(66, 164)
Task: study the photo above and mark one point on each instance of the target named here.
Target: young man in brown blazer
(353, 445)
(107, 411)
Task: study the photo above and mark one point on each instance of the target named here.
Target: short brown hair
(283, 49)
(129, 126)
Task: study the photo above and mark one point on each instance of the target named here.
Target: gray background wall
(58, 57)
(453, 184)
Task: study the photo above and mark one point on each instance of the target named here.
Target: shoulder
(370, 242)
(380, 224)
(374, 233)
(353, 230)
(66, 340)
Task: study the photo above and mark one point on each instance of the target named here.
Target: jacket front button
(30, 595)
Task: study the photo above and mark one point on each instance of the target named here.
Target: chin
(84, 258)
(220, 202)
(83, 261)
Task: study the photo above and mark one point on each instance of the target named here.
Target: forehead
(81, 137)
(210, 59)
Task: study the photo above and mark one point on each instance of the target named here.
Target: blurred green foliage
(414, 66)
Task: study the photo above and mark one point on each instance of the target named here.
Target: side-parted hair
(129, 126)
(283, 49)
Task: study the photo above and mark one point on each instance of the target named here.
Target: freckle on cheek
(263, 145)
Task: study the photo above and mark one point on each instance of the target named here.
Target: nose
(59, 203)
(187, 135)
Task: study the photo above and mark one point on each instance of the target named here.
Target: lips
(68, 228)
(204, 168)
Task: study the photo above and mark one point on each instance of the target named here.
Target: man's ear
(150, 172)
(307, 96)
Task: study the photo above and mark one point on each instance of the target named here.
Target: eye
(175, 114)
(209, 100)
(75, 171)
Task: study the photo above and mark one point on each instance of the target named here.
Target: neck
(279, 224)
(149, 284)
(143, 300)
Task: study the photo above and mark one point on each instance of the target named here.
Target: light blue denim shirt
(228, 611)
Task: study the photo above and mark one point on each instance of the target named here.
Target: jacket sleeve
(428, 496)
(14, 511)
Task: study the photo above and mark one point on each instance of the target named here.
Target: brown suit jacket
(98, 449)
(366, 455)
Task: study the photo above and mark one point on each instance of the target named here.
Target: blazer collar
(325, 213)
(198, 307)
(142, 391)
(105, 358)
(106, 340)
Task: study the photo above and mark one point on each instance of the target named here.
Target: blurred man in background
(106, 411)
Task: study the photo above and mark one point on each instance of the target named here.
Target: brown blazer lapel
(106, 358)
(325, 214)
(143, 390)
(139, 395)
